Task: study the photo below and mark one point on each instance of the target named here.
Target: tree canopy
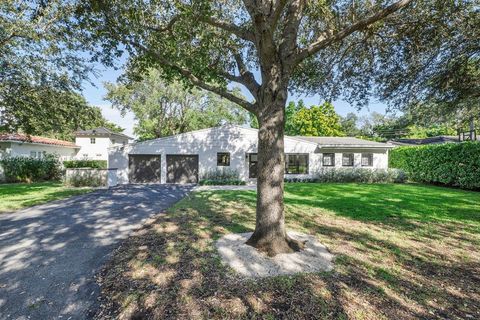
(71, 112)
(320, 120)
(41, 68)
(163, 109)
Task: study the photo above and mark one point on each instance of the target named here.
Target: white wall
(99, 149)
(23, 150)
(238, 141)
(5, 149)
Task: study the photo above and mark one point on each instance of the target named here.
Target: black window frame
(296, 164)
(370, 159)
(220, 162)
(351, 157)
(329, 154)
(93, 141)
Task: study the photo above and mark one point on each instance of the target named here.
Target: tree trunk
(270, 235)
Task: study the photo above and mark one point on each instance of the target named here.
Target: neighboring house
(94, 143)
(424, 141)
(184, 158)
(21, 145)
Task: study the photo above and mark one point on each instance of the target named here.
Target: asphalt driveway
(50, 253)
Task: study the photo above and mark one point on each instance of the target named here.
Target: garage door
(144, 168)
(182, 168)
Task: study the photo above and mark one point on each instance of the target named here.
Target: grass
(402, 251)
(14, 196)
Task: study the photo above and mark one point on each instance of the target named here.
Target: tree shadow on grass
(170, 269)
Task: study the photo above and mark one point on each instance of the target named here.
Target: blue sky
(95, 96)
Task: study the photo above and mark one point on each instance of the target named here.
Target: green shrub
(231, 182)
(360, 175)
(451, 164)
(96, 164)
(221, 177)
(28, 169)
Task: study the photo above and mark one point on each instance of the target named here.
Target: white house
(185, 158)
(94, 143)
(20, 145)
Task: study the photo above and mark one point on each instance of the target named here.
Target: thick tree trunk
(270, 235)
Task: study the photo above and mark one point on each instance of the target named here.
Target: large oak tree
(329, 47)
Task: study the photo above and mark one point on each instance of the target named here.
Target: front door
(252, 165)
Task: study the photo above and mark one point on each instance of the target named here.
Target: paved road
(50, 253)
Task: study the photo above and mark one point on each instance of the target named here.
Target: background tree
(33, 115)
(330, 48)
(349, 125)
(162, 109)
(321, 120)
(40, 64)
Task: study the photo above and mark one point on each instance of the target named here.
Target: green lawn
(14, 196)
(402, 252)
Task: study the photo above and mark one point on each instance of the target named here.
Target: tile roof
(343, 141)
(101, 131)
(17, 137)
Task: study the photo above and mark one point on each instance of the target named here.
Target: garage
(144, 168)
(182, 168)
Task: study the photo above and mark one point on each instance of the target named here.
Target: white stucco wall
(23, 149)
(99, 149)
(235, 140)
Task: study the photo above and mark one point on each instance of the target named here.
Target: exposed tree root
(276, 245)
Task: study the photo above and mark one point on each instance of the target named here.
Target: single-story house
(186, 157)
(423, 141)
(94, 143)
(21, 145)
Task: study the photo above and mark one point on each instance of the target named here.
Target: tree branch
(230, 27)
(197, 81)
(362, 24)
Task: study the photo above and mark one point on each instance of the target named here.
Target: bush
(28, 169)
(96, 164)
(450, 164)
(231, 182)
(221, 177)
(360, 175)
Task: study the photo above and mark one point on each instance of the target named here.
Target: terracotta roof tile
(17, 137)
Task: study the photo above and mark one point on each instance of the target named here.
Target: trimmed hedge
(225, 182)
(359, 175)
(219, 177)
(95, 164)
(450, 164)
(27, 169)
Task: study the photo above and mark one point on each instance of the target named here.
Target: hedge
(358, 175)
(96, 164)
(27, 169)
(225, 182)
(450, 164)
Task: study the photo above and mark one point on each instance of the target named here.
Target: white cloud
(113, 115)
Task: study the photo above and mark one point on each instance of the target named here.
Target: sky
(95, 96)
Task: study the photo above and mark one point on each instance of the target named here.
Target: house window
(296, 163)
(92, 140)
(367, 159)
(329, 159)
(223, 159)
(98, 155)
(347, 160)
(113, 141)
(33, 154)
